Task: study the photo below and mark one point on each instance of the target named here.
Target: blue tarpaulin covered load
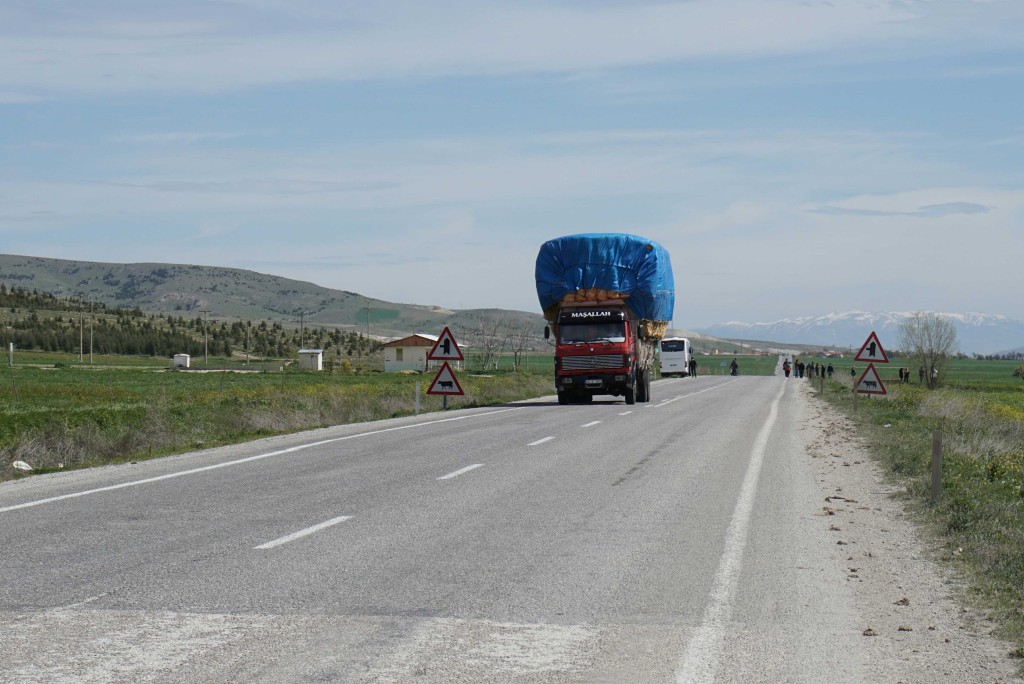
(616, 265)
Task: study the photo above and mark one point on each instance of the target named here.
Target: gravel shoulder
(917, 627)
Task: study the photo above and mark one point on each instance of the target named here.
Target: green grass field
(59, 415)
(749, 365)
(962, 373)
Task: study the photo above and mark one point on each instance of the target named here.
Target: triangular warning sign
(445, 349)
(445, 382)
(869, 382)
(872, 351)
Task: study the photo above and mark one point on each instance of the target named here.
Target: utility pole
(206, 337)
(302, 330)
(81, 332)
(92, 317)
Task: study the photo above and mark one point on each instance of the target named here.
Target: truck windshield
(592, 332)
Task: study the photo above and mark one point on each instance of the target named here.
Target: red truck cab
(596, 353)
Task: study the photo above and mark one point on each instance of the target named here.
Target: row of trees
(16, 298)
(490, 336)
(930, 340)
(42, 322)
(1008, 356)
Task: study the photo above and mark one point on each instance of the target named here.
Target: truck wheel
(642, 386)
(563, 397)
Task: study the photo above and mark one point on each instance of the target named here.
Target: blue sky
(795, 157)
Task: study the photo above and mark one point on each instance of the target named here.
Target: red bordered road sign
(446, 348)
(872, 351)
(445, 382)
(869, 382)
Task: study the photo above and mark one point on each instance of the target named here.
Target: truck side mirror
(547, 332)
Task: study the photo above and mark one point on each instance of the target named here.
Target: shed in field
(409, 353)
(181, 361)
(311, 359)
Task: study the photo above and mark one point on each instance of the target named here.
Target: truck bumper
(595, 383)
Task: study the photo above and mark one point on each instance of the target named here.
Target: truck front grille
(600, 361)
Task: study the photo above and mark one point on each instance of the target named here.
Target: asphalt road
(666, 542)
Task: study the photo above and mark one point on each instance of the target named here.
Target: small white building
(409, 353)
(311, 359)
(181, 361)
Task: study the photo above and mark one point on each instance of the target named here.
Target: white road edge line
(592, 423)
(625, 413)
(304, 533)
(257, 457)
(540, 441)
(704, 652)
(460, 472)
(86, 601)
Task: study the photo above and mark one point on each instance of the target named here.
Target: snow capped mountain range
(977, 333)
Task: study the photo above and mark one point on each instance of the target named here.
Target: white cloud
(699, 171)
(203, 47)
(176, 137)
(16, 98)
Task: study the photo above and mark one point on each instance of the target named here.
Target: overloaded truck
(608, 298)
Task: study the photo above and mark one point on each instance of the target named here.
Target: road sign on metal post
(872, 351)
(445, 382)
(446, 348)
(869, 382)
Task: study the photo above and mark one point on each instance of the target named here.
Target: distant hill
(977, 333)
(234, 294)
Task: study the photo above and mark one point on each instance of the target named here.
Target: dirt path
(914, 620)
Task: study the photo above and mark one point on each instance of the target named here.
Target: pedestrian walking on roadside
(786, 367)
(829, 370)
(693, 367)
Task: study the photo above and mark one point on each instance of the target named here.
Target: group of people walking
(817, 370)
(800, 369)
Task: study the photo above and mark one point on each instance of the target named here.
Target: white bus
(675, 356)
